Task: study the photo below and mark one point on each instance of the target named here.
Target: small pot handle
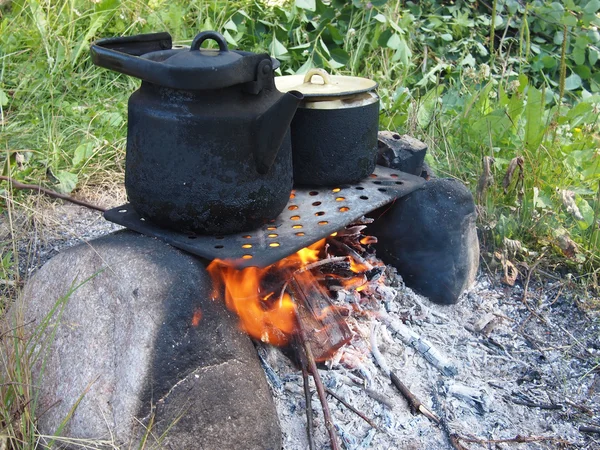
(316, 71)
(201, 37)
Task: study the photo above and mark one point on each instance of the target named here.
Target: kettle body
(190, 163)
(208, 140)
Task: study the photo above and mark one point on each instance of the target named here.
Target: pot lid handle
(317, 71)
(201, 37)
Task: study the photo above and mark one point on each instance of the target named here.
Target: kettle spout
(271, 127)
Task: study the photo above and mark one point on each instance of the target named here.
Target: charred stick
(518, 439)
(413, 402)
(320, 390)
(536, 405)
(455, 442)
(352, 408)
(353, 254)
(588, 429)
(421, 345)
(50, 193)
(312, 366)
(308, 396)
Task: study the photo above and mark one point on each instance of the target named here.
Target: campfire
(299, 291)
(316, 302)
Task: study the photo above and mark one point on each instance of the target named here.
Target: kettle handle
(123, 54)
(201, 37)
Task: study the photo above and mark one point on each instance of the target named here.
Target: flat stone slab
(138, 339)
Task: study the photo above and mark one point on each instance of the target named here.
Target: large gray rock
(430, 236)
(138, 337)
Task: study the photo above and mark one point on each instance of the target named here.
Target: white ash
(508, 374)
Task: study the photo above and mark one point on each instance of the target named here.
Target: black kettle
(208, 141)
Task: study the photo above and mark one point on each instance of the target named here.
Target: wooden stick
(518, 439)
(312, 366)
(50, 193)
(588, 429)
(307, 395)
(414, 403)
(352, 408)
(351, 252)
(320, 390)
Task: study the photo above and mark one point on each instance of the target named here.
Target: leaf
(446, 37)
(569, 20)
(341, 56)
(583, 71)
(593, 55)
(591, 7)
(380, 18)
(427, 106)
(534, 129)
(3, 98)
(66, 181)
(230, 25)
(468, 60)
(586, 211)
(97, 20)
(82, 153)
(229, 38)
(572, 82)
(394, 42)
(310, 5)
(541, 199)
(277, 48)
(578, 55)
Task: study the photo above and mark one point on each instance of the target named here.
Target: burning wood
(314, 298)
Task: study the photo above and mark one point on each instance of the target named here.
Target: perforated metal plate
(310, 215)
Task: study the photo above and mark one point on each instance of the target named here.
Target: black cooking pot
(334, 131)
(208, 142)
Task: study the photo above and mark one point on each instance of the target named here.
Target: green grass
(444, 77)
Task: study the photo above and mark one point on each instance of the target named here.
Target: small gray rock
(140, 336)
(401, 152)
(430, 236)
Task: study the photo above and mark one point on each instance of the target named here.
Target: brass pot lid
(318, 83)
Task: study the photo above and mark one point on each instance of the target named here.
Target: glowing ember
(197, 317)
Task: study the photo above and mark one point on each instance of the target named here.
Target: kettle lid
(200, 58)
(152, 58)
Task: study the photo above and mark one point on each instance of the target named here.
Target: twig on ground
(536, 405)
(50, 193)
(312, 366)
(413, 402)
(589, 429)
(307, 395)
(352, 408)
(517, 440)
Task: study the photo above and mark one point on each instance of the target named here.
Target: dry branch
(518, 439)
(50, 193)
(413, 402)
(301, 299)
(352, 408)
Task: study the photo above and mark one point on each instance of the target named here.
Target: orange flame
(265, 315)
